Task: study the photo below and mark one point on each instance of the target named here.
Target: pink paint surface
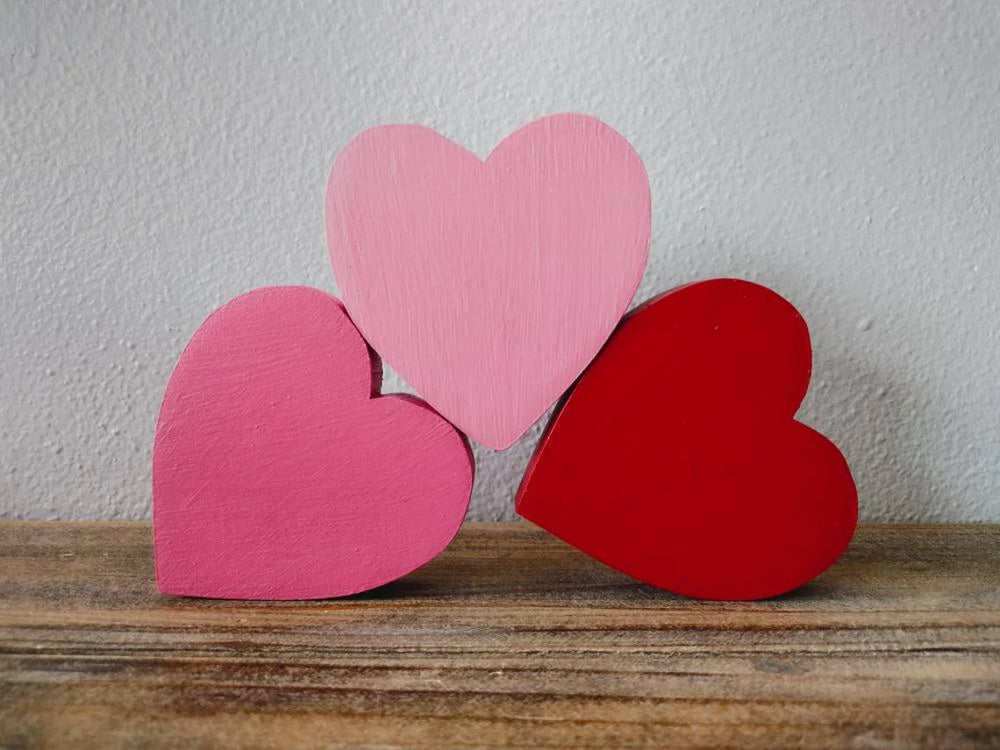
(489, 285)
(278, 475)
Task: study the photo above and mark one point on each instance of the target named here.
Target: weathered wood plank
(509, 638)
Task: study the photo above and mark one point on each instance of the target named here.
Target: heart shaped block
(489, 285)
(278, 472)
(676, 458)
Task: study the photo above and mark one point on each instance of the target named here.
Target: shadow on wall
(499, 473)
(877, 425)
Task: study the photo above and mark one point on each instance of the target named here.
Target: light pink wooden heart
(278, 472)
(489, 285)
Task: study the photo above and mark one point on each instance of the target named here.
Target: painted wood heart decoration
(677, 459)
(489, 285)
(279, 472)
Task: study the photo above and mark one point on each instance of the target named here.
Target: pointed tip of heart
(497, 441)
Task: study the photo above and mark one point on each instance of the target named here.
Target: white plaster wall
(158, 158)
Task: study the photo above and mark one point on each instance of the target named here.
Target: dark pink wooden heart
(278, 471)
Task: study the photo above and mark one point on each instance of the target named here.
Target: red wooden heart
(676, 458)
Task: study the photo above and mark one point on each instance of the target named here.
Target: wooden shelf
(509, 638)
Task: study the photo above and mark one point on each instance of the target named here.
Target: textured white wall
(159, 158)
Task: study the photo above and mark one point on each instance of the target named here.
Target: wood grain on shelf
(509, 638)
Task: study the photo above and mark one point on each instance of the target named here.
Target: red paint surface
(278, 471)
(676, 459)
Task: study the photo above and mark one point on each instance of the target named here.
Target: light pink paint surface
(278, 475)
(489, 286)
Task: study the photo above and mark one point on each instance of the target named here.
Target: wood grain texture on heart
(677, 459)
(278, 470)
(489, 285)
